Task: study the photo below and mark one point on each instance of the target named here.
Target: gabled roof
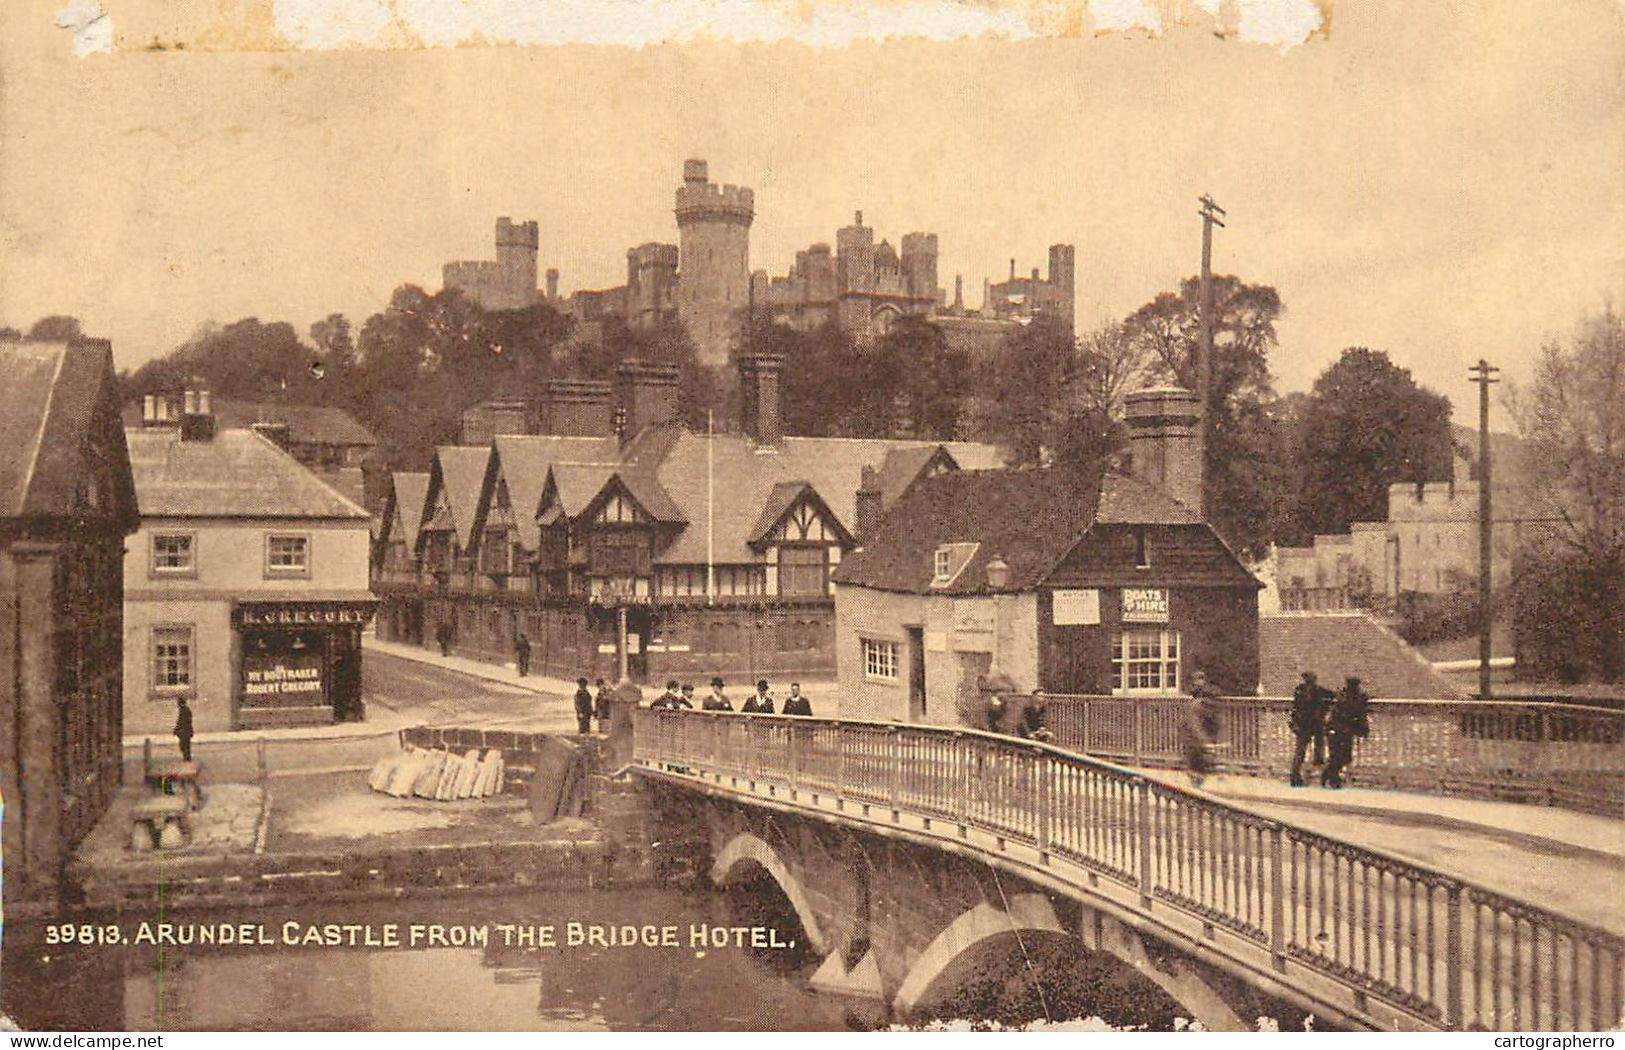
(902, 466)
(780, 499)
(56, 399)
(408, 492)
(307, 424)
(524, 462)
(1336, 645)
(577, 484)
(237, 474)
(459, 472)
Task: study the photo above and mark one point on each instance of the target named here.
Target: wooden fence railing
(1557, 754)
(1446, 952)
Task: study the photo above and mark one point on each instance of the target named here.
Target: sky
(1443, 181)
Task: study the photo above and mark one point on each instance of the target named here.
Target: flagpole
(710, 532)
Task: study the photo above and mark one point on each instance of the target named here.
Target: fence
(1557, 754)
(1445, 952)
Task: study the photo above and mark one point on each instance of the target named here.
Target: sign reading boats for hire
(282, 677)
(1145, 605)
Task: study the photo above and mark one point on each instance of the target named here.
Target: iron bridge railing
(1441, 950)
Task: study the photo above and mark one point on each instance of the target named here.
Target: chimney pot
(191, 403)
(203, 403)
(149, 409)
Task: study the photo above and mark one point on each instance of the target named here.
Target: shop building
(246, 586)
(68, 506)
(1064, 580)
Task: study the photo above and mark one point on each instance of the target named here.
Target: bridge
(903, 849)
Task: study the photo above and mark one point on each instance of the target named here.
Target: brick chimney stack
(579, 407)
(648, 393)
(869, 507)
(1165, 437)
(760, 385)
(197, 420)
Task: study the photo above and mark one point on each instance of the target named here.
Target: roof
(237, 474)
(743, 478)
(461, 470)
(901, 466)
(410, 490)
(1010, 514)
(307, 424)
(524, 460)
(1031, 519)
(55, 396)
(1336, 645)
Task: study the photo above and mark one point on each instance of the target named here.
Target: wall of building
(230, 558)
(149, 711)
(959, 639)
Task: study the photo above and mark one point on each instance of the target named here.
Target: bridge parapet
(1368, 936)
(1557, 754)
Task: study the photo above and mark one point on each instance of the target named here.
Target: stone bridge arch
(746, 848)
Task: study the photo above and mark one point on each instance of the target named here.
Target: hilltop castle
(705, 280)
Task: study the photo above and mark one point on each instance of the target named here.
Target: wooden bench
(161, 822)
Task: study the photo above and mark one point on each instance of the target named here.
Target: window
(942, 565)
(287, 555)
(172, 659)
(1147, 661)
(172, 554)
(803, 570)
(879, 659)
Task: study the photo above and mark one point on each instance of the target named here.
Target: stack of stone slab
(439, 775)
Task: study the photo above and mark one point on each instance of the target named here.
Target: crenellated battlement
(919, 243)
(653, 254)
(512, 234)
(708, 201)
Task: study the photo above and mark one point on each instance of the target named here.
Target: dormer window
(942, 566)
(1142, 557)
(949, 560)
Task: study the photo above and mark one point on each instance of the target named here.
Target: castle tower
(713, 287)
(651, 283)
(1062, 277)
(855, 256)
(920, 264)
(515, 285)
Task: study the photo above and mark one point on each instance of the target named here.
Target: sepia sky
(1440, 180)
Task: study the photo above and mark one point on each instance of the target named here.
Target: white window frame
(942, 561)
(187, 571)
(1157, 657)
(275, 571)
(172, 634)
(879, 659)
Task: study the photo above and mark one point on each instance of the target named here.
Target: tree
(823, 376)
(1239, 431)
(246, 359)
(912, 383)
(57, 328)
(1368, 425)
(1569, 584)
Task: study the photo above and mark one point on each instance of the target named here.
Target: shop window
(1146, 660)
(803, 570)
(173, 554)
(879, 659)
(172, 659)
(287, 555)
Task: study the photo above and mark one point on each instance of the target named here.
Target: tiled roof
(307, 424)
(54, 396)
(237, 474)
(782, 497)
(1029, 518)
(1336, 645)
(410, 489)
(461, 470)
(899, 469)
(524, 460)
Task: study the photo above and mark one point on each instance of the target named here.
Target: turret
(713, 224)
(920, 263)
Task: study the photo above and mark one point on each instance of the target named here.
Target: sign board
(606, 648)
(1071, 608)
(973, 626)
(265, 679)
(1145, 605)
(632, 643)
(301, 614)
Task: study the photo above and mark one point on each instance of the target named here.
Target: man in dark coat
(183, 729)
(1309, 706)
(600, 707)
(716, 701)
(1030, 722)
(521, 654)
(442, 634)
(795, 703)
(671, 699)
(1200, 729)
(583, 707)
(1347, 722)
(760, 702)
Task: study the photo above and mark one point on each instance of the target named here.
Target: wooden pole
(1483, 376)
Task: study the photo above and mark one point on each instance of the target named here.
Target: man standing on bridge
(583, 701)
(1309, 705)
(1200, 729)
(795, 703)
(1347, 722)
(716, 701)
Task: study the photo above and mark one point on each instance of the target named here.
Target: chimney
(197, 422)
(959, 293)
(1165, 440)
(149, 411)
(648, 394)
(482, 422)
(1012, 269)
(1035, 277)
(760, 378)
(578, 407)
(869, 507)
(552, 284)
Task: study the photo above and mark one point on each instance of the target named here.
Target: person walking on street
(183, 729)
(795, 703)
(442, 634)
(601, 705)
(1309, 705)
(716, 701)
(521, 654)
(583, 707)
(1347, 722)
(1200, 729)
(760, 702)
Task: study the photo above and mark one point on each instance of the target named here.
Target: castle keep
(705, 280)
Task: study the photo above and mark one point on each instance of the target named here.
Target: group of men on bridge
(680, 698)
(1332, 721)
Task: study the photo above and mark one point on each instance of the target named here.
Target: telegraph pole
(1483, 374)
(1210, 213)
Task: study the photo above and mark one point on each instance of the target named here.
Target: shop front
(299, 662)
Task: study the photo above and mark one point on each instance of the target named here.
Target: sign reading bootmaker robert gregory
(282, 677)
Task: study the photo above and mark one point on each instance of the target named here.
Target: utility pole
(1483, 375)
(1210, 213)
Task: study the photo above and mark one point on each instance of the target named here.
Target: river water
(481, 986)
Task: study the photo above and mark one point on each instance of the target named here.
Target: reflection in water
(500, 987)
